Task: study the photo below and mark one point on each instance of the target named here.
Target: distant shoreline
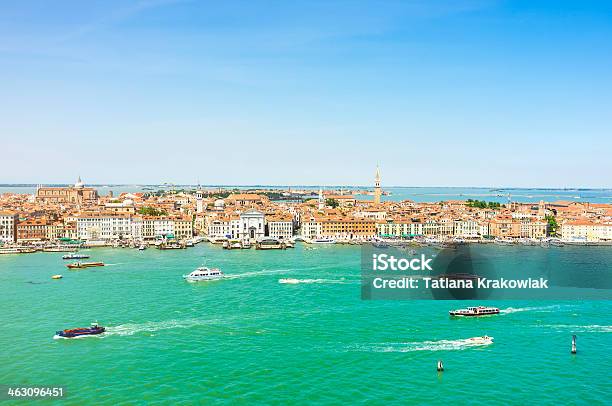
(127, 185)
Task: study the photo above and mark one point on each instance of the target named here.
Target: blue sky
(438, 93)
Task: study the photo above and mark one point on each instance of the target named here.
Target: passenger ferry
(474, 311)
(204, 274)
(79, 265)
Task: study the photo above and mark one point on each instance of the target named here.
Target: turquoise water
(417, 194)
(253, 339)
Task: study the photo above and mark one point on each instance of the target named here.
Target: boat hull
(457, 314)
(85, 265)
(80, 332)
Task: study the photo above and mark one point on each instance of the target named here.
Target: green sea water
(252, 340)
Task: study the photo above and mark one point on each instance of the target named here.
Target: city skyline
(449, 94)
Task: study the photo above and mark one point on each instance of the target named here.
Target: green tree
(151, 211)
(552, 224)
(333, 203)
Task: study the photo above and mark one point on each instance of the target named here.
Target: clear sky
(439, 93)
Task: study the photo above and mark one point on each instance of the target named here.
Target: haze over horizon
(447, 93)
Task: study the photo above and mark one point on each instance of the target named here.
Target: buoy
(440, 366)
(57, 277)
(574, 344)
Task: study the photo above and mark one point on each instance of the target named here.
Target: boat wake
(292, 281)
(255, 273)
(152, 326)
(592, 328)
(542, 309)
(440, 345)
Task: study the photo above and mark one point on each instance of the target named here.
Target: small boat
(484, 340)
(204, 274)
(291, 281)
(78, 265)
(474, 311)
(57, 277)
(95, 329)
(75, 256)
(324, 241)
(142, 247)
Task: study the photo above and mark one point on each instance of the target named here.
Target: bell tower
(377, 191)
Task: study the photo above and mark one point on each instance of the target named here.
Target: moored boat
(474, 311)
(95, 329)
(324, 241)
(78, 265)
(204, 274)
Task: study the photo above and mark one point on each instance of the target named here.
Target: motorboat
(291, 281)
(142, 247)
(75, 256)
(95, 329)
(484, 340)
(204, 274)
(79, 265)
(57, 277)
(474, 311)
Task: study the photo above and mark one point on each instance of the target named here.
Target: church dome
(79, 183)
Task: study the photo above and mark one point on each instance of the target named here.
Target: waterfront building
(347, 228)
(55, 230)
(219, 227)
(251, 225)
(585, 230)
(504, 226)
(280, 226)
(77, 194)
(70, 229)
(467, 228)
(532, 228)
(183, 228)
(8, 233)
(399, 228)
(310, 228)
(112, 226)
(157, 227)
(32, 229)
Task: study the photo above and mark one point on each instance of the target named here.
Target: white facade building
(105, 227)
(280, 228)
(8, 221)
(252, 225)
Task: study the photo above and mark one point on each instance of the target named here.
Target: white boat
(142, 247)
(474, 311)
(204, 274)
(324, 241)
(484, 340)
(291, 281)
